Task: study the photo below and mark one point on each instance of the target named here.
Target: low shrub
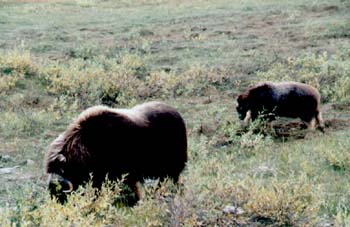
(125, 79)
(284, 203)
(342, 218)
(337, 154)
(195, 81)
(14, 67)
(85, 207)
(94, 81)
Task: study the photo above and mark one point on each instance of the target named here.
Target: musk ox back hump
(166, 137)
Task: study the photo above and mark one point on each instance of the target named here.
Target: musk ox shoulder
(146, 141)
(284, 99)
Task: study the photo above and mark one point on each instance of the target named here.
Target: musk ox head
(56, 166)
(58, 184)
(242, 106)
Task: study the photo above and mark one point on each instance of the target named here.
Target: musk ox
(146, 141)
(285, 99)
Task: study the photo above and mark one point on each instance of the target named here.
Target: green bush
(125, 79)
(85, 207)
(95, 81)
(14, 67)
(284, 203)
(336, 153)
(91, 79)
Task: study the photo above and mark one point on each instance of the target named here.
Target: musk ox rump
(147, 141)
(284, 99)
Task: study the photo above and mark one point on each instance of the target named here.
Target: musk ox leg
(248, 116)
(130, 193)
(309, 119)
(320, 121)
(311, 124)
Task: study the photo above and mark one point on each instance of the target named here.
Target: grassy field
(59, 57)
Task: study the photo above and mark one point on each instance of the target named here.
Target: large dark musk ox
(284, 99)
(146, 141)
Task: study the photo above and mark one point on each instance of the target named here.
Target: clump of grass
(194, 81)
(284, 203)
(329, 74)
(274, 202)
(85, 207)
(337, 155)
(85, 52)
(124, 79)
(250, 143)
(95, 81)
(13, 62)
(15, 66)
(91, 79)
(251, 138)
(78, 211)
(342, 218)
(255, 202)
(25, 123)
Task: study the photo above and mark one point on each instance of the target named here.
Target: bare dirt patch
(298, 130)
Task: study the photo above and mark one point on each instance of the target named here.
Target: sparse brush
(117, 80)
(14, 67)
(13, 62)
(96, 81)
(338, 155)
(275, 206)
(288, 203)
(252, 138)
(251, 143)
(195, 81)
(328, 73)
(85, 207)
(342, 218)
(24, 123)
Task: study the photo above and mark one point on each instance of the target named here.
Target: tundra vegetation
(59, 57)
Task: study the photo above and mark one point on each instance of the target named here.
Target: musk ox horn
(58, 180)
(70, 186)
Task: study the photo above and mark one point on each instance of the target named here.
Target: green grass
(59, 57)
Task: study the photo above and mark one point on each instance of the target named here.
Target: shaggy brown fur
(285, 99)
(147, 141)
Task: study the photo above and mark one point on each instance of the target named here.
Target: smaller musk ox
(285, 99)
(147, 141)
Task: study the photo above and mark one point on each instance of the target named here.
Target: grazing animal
(285, 99)
(146, 141)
